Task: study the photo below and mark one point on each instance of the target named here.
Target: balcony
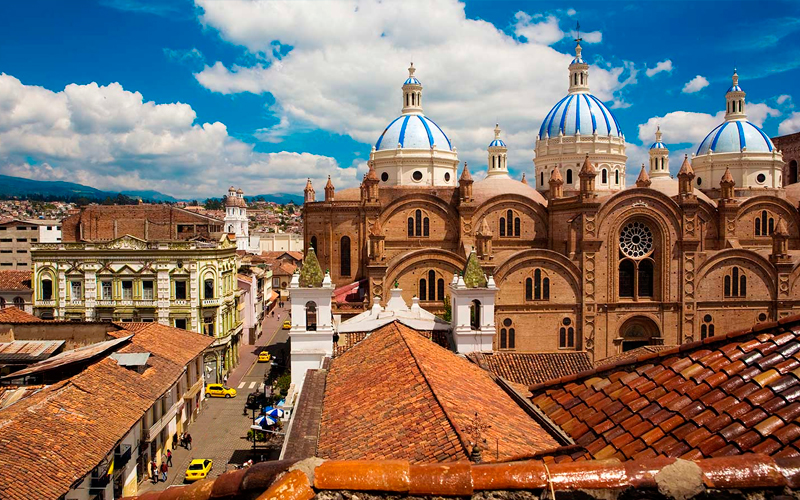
(146, 303)
(122, 456)
(100, 482)
(211, 302)
(180, 302)
(46, 303)
(125, 303)
(106, 303)
(75, 303)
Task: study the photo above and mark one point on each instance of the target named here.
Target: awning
(272, 297)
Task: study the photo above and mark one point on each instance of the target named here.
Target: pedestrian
(188, 441)
(154, 471)
(169, 458)
(164, 470)
(225, 379)
(183, 439)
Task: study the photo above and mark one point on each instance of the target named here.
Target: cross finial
(497, 131)
(578, 32)
(411, 70)
(658, 133)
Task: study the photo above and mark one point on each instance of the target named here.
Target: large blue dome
(733, 136)
(413, 131)
(579, 112)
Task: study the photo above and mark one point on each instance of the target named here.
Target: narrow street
(220, 431)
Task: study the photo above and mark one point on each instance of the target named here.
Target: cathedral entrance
(637, 332)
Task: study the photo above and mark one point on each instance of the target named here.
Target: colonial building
(581, 262)
(237, 223)
(144, 263)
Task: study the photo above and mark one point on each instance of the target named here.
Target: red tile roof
(13, 315)
(348, 339)
(398, 395)
(15, 280)
(532, 368)
(632, 354)
(726, 395)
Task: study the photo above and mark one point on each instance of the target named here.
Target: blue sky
(190, 97)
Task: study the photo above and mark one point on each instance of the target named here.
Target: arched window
(626, 273)
(47, 289)
(569, 174)
(432, 285)
(517, 227)
(208, 288)
(512, 342)
(792, 177)
(440, 289)
(314, 243)
(603, 175)
(507, 335)
(541, 178)
(510, 223)
(538, 287)
(344, 257)
(528, 289)
(419, 225)
(418, 222)
(537, 284)
(503, 338)
(423, 289)
(646, 278)
(311, 316)
(707, 327)
(546, 289)
(19, 303)
(475, 315)
(734, 284)
(566, 334)
(410, 227)
(426, 227)
(765, 224)
(502, 226)
(616, 176)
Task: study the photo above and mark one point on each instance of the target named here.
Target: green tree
(213, 204)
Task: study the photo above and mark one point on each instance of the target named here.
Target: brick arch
(393, 217)
(448, 263)
(778, 206)
(737, 256)
(525, 205)
(422, 201)
(661, 205)
(528, 257)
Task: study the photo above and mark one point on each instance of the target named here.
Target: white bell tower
(472, 296)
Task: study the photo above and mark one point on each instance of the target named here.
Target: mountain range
(21, 187)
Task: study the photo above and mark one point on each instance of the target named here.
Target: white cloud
(110, 138)
(664, 66)
(783, 98)
(790, 125)
(696, 84)
(545, 31)
(345, 76)
(758, 112)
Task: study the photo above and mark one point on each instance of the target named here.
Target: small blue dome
(577, 60)
(413, 131)
(658, 145)
(412, 80)
(497, 143)
(733, 136)
(579, 112)
(735, 88)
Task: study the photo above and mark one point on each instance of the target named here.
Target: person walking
(154, 471)
(188, 441)
(169, 458)
(164, 469)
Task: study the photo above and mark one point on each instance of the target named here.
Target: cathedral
(581, 261)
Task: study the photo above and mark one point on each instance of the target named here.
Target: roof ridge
(464, 441)
(761, 327)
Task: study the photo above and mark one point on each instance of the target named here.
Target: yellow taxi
(264, 357)
(198, 469)
(287, 324)
(220, 391)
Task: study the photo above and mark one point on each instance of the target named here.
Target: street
(220, 431)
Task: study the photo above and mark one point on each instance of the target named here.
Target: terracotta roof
(686, 168)
(725, 395)
(10, 394)
(532, 368)
(757, 476)
(397, 395)
(15, 280)
(727, 178)
(60, 361)
(175, 344)
(28, 351)
(349, 339)
(632, 354)
(644, 179)
(13, 315)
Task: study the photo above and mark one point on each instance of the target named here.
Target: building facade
(581, 261)
(184, 275)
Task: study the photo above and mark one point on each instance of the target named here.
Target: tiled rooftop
(398, 395)
(632, 354)
(13, 315)
(15, 280)
(726, 395)
(532, 368)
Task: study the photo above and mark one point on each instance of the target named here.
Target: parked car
(256, 401)
(264, 357)
(220, 391)
(198, 469)
(287, 324)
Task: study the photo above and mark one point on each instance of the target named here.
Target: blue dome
(733, 136)
(413, 131)
(412, 80)
(658, 145)
(577, 60)
(735, 88)
(497, 143)
(579, 112)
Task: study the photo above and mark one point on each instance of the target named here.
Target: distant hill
(280, 198)
(19, 186)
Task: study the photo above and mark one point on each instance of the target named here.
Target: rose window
(636, 240)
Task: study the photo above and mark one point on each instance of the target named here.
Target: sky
(189, 97)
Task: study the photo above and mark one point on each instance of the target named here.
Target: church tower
(659, 157)
(236, 221)
(498, 155)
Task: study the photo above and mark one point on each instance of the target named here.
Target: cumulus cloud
(192, 58)
(696, 84)
(790, 125)
(111, 138)
(661, 67)
(345, 76)
(539, 29)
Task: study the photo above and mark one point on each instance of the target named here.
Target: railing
(125, 302)
(106, 303)
(122, 456)
(75, 302)
(146, 303)
(211, 302)
(180, 302)
(46, 303)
